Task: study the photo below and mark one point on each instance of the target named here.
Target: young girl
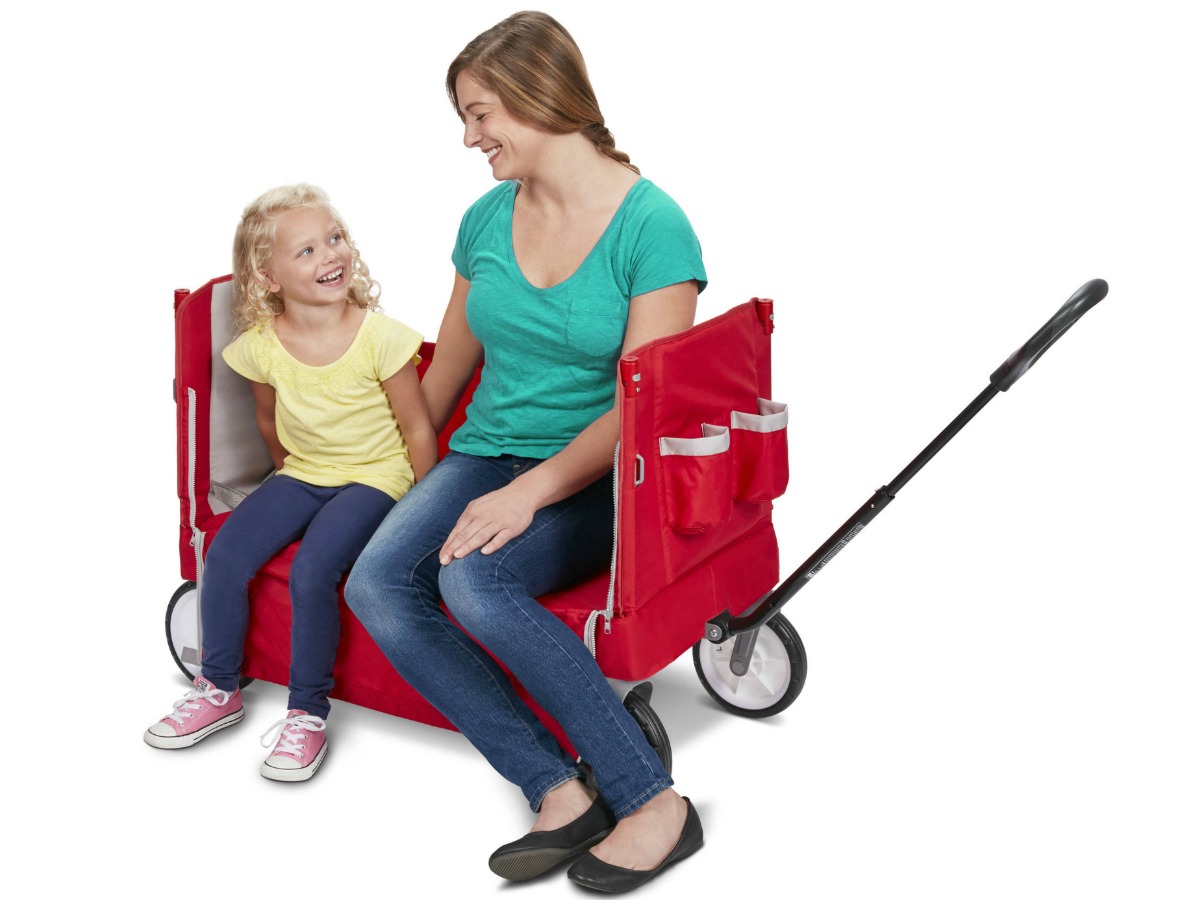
(340, 408)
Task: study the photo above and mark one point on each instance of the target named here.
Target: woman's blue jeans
(395, 588)
(336, 523)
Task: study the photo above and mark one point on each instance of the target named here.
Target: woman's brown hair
(536, 69)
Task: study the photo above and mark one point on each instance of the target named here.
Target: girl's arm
(264, 416)
(489, 522)
(454, 362)
(412, 415)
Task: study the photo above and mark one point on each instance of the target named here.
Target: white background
(1002, 688)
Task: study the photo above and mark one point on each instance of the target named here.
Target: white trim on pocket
(697, 479)
(715, 440)
(772, 416)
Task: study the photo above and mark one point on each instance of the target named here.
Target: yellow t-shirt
(335, 421)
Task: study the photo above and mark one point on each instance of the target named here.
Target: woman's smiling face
(512, 147)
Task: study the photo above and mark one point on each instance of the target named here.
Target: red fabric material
(696, 491)
(668, 584)
(643, 643)
(700, 376)
(193, 369)
(361, 673)
(760, 464)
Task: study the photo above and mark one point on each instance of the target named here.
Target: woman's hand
(489, 522)
(494, 519)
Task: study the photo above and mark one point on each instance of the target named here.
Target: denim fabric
(394, 590)
(336, 523)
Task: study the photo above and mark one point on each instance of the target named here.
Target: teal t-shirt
(550, 354)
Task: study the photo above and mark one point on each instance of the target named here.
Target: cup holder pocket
(697, 479)
(760, 453)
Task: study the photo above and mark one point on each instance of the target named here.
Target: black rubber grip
(1031, 351)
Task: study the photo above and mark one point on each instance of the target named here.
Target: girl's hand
(489, 522)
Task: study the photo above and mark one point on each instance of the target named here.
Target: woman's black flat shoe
(592, 872)
(540, 851)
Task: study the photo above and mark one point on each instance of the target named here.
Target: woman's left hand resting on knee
(494, 519)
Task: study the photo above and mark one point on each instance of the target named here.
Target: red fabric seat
(668, 582)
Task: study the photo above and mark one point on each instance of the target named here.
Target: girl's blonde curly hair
(253, 303)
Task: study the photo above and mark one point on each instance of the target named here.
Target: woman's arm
(412, 415)
(264, 417)
(489, 522)
(454, 362)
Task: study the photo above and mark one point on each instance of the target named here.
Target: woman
(569, 262)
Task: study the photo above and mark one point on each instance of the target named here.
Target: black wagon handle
(727, 625)
(1031, 351)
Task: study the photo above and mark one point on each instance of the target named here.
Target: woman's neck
(575, 175)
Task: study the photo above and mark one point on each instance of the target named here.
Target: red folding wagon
(701, 457)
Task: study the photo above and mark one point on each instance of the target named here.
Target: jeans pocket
(760, 452)
(696, 480)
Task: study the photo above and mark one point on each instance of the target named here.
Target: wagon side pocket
(697, 480)
(760, 453)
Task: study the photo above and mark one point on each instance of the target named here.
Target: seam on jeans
(604, 710)
(643, 798)
(500, 563)
(460, 637)
(541, 797)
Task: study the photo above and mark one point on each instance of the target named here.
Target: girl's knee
(224, 562)
(313, 567)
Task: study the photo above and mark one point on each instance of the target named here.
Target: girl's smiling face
(310, 259)
(512, 147)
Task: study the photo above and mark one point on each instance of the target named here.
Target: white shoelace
(188, 701)
(290, 732)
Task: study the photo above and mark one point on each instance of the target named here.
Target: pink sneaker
(298, 751)
(196, 715)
